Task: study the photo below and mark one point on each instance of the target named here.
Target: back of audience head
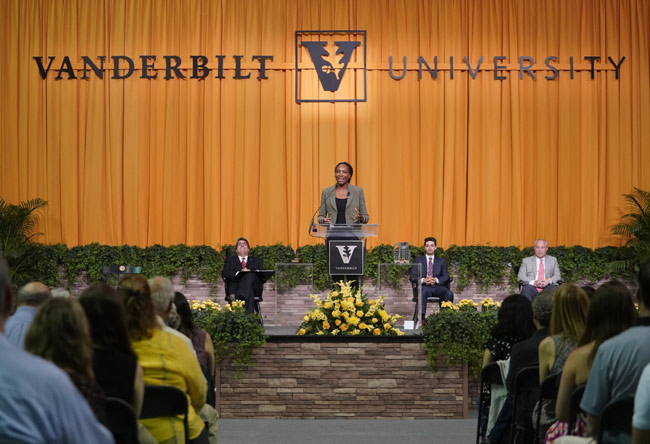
(60, 334)
(543, 308)
(106, 317)
(138, 307)
(187, 326)
(60, 293)
(570, 309)
(515, 318)
(589, 290)
(33, 294)
(162, 295)
(6, 301)
(643, 292)
(611, 311)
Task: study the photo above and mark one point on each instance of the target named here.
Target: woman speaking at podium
(343, 203)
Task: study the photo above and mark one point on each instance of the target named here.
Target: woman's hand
(358, 217)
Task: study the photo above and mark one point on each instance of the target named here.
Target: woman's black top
(340, 210)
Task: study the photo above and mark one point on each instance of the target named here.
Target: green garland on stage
(58, 265)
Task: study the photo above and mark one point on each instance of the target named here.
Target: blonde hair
(570, 310)
(60, 334)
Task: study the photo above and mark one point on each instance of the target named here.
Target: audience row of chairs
(159, 401)
(616, 418)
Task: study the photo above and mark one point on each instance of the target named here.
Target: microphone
(312, 225)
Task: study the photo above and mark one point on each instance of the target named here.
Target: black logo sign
(325, 56)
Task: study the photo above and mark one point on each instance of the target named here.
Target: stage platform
(320, 377)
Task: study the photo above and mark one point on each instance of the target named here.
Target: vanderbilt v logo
(329, 78)
(323, 58)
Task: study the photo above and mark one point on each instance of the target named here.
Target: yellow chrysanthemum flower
(327, 305)
(302, 331)
(305, 318)
(376, 332)
(336, 314)
(363, 326)
(326, 325)
(344, 327)
(358, 303)
(375, 320)
(337, 322)
(353, 320)
(371, 302)
(360, 313)
(387, 326)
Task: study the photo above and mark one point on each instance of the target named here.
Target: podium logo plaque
(346, 257)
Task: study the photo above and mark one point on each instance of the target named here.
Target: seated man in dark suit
(436, 275)
(240, 279)
(539, 272)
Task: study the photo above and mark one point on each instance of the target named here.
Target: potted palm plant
(17, 224)
(635, 227)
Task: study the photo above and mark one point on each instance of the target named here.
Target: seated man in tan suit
(539, 272)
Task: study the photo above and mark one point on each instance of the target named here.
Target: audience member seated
(205, 353)
(162, 296)
(641, 417)
(619, 360)
(523, 354)
(166, 360)
(30, 297)
(38, 402)
(611, 312)
(240, 282)
(570, 309)
(116, 366)
(201, 340)
(60, 334)
(539, 272)
(514, 324)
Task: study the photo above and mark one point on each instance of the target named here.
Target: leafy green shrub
(235, 332)
(459, 332)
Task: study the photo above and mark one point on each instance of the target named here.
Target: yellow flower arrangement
(348, 312)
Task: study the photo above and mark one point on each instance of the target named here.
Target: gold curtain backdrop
(471, 161)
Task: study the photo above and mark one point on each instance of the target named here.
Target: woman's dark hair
(185, 314)
(105, 313)
(515, 318)
(349, 168)
(611, 311)
(59, 333)
(138, 306)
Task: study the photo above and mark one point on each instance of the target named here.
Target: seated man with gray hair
(162, 296)
(30, 297)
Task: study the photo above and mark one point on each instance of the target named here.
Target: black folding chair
(547, 390)
(526, 381)
(574, 405)
(122, 421)
(162, 401)
(616, 421)
(415, 287)
(491, 374)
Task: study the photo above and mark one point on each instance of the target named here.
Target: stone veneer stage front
(316, 377)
